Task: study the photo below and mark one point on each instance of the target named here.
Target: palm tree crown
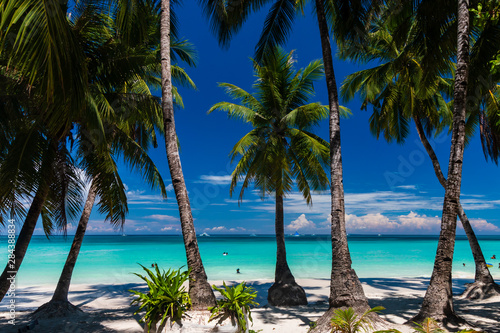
(280, 147)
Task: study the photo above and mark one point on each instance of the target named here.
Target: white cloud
(301, 223)
(138, 197)
(215, 180)
(478, 204)
(237, 229)
(407, 187)
(167, 228)
(169, 188)
(405, 224)
(482, 225)
(223, 228)
(370, 223)
(143, 228)
(367, 203)
(160, 217)
(100, 227)
(220, 228)
(413, 221)
(402, 224)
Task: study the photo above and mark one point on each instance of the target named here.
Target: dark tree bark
(59, 306)
(200, 291)
(24, 238)
(438, 300)
(285, 291)
(484, 286)
(345, 287)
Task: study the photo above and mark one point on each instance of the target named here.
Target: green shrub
(235, 304)
(167, 297)
(347, 321)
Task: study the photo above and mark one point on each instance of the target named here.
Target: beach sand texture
(107, 307)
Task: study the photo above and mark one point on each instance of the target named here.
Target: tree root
(286, 294)
(56, 309)
(451, 322)
(481, 290)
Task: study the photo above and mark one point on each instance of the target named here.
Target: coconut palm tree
(202, 295)
(346, 20)
(66, 64)
(280, 149)
(440, 34)
(439, 27)
(129, 114)
(33, 167)
(437, 302)
(226, 18)
(41, 51)
(391, 85)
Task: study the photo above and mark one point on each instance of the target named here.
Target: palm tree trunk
(23, 239)
(484, 286)
(285, 291)
(59, 306)
(200, 291)
(62, 289)
(345, 287)
(438, 300)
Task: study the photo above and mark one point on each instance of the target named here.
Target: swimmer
(237, 271)
(493, 257)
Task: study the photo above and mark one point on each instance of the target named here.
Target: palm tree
(36, 167)
(130, 115)
(64, 102)
(347, 20)
(389, 86)
(50, 75)
(280, 148)
(437, 302)
(438, 26)
(201, 293)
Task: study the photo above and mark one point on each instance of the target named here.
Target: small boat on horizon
(204, 235)
(296, 234)
(253, 235)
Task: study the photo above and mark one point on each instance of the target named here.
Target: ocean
(114, 259)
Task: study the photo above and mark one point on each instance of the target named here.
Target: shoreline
(112, 260)
(107, 306)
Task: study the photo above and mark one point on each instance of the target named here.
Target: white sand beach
(107, 307)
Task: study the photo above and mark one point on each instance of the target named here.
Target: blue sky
(389, 188)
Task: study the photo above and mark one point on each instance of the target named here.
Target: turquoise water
(112, 259)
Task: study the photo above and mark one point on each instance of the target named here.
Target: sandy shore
(107, 307)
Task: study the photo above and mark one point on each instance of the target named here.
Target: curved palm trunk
(345, 287)
(23, 240)
(285, 291)
(59, 305)
(62, 289)
(438, 300)
(200, 291)
(484, 285)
